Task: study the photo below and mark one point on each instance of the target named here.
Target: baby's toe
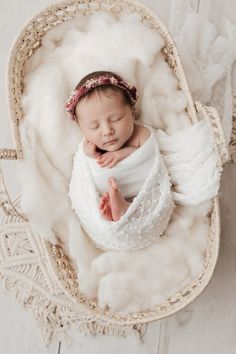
(106, 196)
(102, 201)
(113, 183)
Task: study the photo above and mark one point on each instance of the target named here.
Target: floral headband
(99, 81)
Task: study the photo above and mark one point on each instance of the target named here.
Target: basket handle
(221, 145)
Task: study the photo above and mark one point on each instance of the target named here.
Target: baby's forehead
(103, 93)
(100, 104)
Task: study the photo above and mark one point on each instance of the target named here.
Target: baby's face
(106, 121)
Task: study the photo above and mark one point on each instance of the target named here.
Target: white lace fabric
(144, 221)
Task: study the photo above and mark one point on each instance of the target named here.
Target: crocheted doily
(26, 270)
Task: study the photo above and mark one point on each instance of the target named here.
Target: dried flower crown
(99, 81)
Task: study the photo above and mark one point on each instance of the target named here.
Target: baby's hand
(90, 149)
(109, 159)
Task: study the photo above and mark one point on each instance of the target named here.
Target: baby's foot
(118, 203)
(105, 207)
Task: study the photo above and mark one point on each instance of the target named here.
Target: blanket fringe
(50, 318)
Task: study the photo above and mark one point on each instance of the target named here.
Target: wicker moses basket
(54, 272)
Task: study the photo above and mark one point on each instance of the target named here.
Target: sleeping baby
(104, 109)
(119, 184)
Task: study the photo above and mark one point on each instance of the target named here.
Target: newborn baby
(103, 105)
(120, 187)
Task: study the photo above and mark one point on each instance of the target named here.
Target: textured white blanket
(192, 163)
(151, 209)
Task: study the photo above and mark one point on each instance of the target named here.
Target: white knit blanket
(144, 173)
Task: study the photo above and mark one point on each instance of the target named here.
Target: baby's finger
(101, 204)
(106, 161)
(113, 163)
(91, 145)
(104, 156)
(85, 143)
(90, 149)
(108, 158)
(97, 154)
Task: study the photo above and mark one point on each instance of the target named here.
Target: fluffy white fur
(125, 281)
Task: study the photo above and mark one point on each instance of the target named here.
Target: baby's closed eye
(116, 119)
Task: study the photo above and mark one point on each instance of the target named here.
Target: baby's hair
(106, 82)
(106, 89)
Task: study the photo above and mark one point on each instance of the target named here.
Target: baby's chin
(109, 149)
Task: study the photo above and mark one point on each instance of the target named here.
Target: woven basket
(26, 43)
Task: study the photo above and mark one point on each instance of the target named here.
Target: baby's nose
(108, 130)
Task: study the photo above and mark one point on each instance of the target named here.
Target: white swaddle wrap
(141, 175)
(129, 173)
(191, 160)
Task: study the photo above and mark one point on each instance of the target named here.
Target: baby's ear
(77, 118)
(77, 113)
(133, 111)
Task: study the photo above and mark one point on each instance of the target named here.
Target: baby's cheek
(92, 138)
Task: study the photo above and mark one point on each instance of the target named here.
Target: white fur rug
(126, 281)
